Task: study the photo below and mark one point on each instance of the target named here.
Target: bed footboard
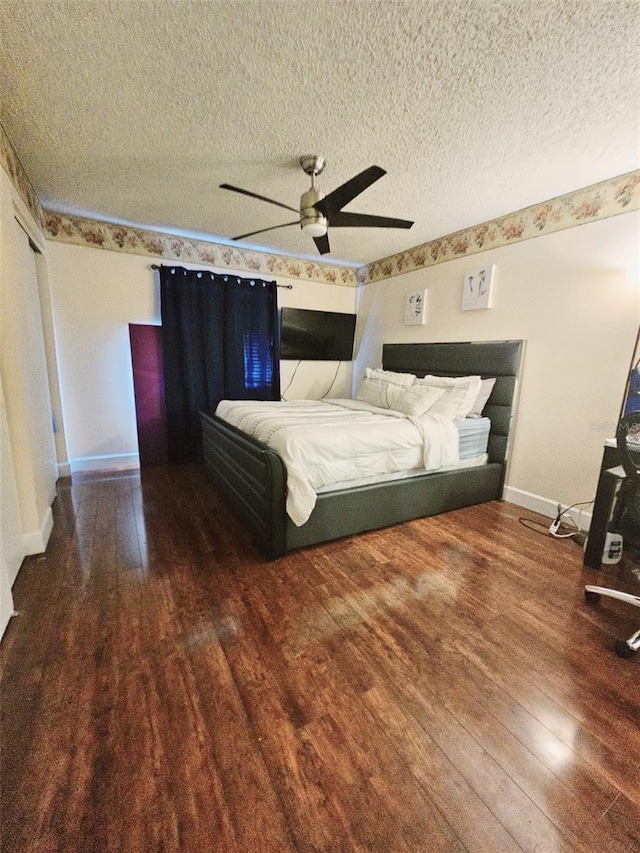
(252, 479)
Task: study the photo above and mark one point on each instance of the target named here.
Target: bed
(252, 477)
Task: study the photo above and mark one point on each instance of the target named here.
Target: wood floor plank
(525, 822)
(472, 821)
(571, 818)
(437, 686)
(311, 663)
(569, 809)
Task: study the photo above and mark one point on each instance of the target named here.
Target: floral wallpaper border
(19, 178)
(598, 201)
(137, 241)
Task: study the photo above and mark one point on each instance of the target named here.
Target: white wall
(574, 297)
(95, 295)
(28, 449)
(12, 550)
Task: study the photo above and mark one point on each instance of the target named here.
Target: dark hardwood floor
(437, 686)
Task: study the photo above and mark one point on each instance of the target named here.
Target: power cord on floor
(530, 522)
(559, 529)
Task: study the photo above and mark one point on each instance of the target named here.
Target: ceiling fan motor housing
(311, 221)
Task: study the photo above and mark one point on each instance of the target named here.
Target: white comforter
(325, 442)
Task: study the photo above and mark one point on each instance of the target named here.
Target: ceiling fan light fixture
(312, 222)
(314, 226)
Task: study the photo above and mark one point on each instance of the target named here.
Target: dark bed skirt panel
(352, 511)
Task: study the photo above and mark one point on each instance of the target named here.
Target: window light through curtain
(258, 371)
(220, 341)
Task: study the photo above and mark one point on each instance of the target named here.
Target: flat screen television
(316, 335)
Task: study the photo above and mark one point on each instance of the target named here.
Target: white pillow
(460, 394)
(448, 405)
(486, 387)
(403, 379)
(418, 399)
(383, 388)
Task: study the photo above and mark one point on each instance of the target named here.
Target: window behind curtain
(258, 370)
(220, 341)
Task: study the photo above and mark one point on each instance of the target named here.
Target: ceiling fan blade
(343, 194)
(322, 243)
(262, 230)
(255, 195)
(364, 220)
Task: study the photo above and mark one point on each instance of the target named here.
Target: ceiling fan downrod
(312, 222)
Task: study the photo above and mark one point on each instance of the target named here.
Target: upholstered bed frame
(253, 478)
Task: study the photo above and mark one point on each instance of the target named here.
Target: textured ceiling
(136, 111)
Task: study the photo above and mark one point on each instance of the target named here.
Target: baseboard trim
(115, 462)
(36, 541)
(544, 506)
(64, 469)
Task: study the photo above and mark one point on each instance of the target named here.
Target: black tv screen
(316, 335)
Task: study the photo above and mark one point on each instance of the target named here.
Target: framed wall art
(477, 288)
(415, 308)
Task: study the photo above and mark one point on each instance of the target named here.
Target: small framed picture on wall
(415, 308)
(477, 288)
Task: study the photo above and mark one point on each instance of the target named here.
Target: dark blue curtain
(220, 341)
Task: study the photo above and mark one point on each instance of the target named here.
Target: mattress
(470, 462)
(473, 438)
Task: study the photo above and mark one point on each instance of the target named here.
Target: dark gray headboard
(499, 359)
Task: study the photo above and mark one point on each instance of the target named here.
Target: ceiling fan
(319, 212)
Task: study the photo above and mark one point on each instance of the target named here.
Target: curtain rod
(283, 286)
